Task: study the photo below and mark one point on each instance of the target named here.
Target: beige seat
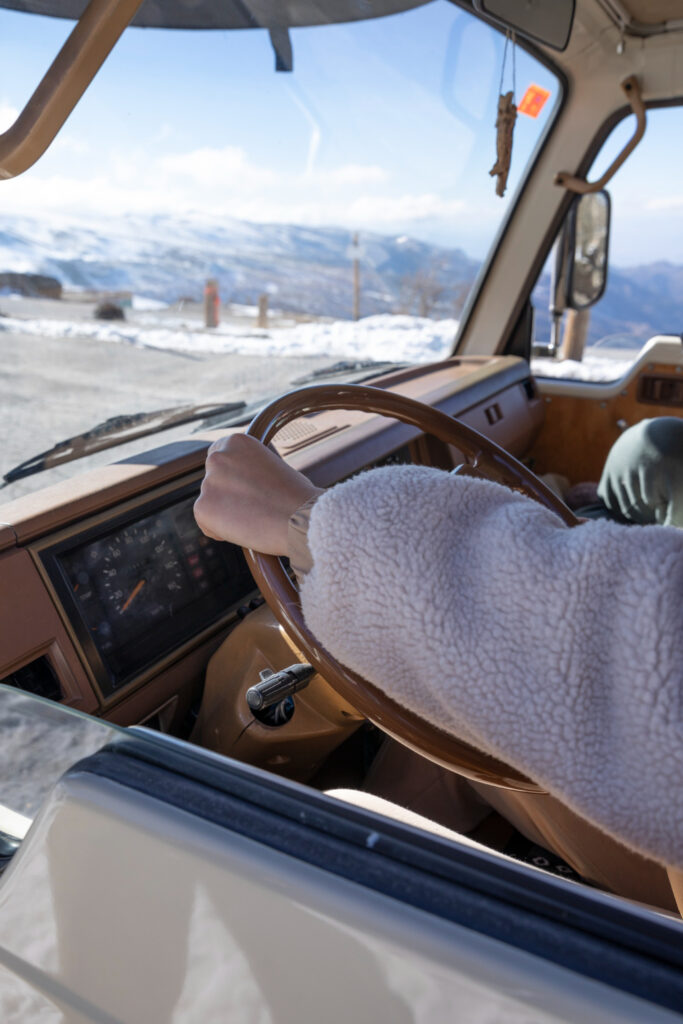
(405, 780)
(378, 805)
(388, 809)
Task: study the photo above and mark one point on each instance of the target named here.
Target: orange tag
(533, 101)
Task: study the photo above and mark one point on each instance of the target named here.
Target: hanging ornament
(505, 124)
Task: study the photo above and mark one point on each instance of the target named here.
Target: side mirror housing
(579, 273)
(587, 227)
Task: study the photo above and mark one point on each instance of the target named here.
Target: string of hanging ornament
(505, 121)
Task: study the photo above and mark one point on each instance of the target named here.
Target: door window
(39, 741)
(644, 293)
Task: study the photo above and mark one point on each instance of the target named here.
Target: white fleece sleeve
(558, 650)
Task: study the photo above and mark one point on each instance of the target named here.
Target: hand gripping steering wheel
(283, 598)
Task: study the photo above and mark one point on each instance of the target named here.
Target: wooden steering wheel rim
(283, 598)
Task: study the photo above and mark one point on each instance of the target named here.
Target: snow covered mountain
(306, 270)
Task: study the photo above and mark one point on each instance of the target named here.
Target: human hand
(248, 495)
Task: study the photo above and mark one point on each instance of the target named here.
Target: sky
(646, 193)
(385, 125)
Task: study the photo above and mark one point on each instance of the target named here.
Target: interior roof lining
(645, 17)
(229, 14)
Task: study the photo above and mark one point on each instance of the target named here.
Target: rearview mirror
(542, 21)
(588, 245)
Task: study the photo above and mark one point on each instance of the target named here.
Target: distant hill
(304, 269)
(638, 303)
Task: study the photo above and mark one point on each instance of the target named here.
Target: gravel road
(53, 388)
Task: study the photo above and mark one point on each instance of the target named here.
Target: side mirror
(587, 249)
(579, 272)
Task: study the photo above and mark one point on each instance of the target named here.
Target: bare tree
(421, 290)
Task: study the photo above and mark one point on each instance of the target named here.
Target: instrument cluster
(137, 588)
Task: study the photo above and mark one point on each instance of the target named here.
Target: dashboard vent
(661, 390)
(38, 678)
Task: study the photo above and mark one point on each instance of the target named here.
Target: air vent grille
(661, 390)
(38, 677)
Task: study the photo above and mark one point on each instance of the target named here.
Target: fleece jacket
(557, 649)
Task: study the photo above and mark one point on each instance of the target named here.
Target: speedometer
(141, 572)
(139, 587)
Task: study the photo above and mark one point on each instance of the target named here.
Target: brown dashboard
(113, 602)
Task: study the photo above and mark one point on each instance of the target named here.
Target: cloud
(354, 174)
(218, 167)
(72, 144)
(8, 115)
(665, 203)
(225, 182)
(404, 209)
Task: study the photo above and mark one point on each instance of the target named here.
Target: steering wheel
(283, 598)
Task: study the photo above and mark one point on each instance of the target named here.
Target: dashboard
(118, 602)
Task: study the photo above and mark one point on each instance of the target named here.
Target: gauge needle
(134, 592)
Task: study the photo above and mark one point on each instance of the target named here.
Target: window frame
(583, 170)
(620, 944)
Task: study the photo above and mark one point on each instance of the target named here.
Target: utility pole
(263, 310)
(355, 253)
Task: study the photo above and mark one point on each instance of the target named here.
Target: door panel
(582, 421)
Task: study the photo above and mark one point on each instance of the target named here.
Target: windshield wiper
(117, 430)
(350, 366)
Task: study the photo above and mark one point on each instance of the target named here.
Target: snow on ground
(596, 367)
(383, 337)
(142, 303)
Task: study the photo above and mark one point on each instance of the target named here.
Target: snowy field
(395, 337)
(383, 337)
(598, 366)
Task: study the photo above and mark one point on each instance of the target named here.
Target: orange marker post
(212, 303)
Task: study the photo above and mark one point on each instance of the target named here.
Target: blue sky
(385, 125)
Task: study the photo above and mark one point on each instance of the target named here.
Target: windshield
(208, 229)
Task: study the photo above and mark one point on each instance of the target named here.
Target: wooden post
(263, 310)
(211, 303)
(575, 334)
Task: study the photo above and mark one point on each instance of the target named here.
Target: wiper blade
(240, 415)
(349, 366)
(117, 430)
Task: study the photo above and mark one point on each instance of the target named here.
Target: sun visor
(229, 14)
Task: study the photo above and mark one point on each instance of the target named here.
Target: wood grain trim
(579, 431)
